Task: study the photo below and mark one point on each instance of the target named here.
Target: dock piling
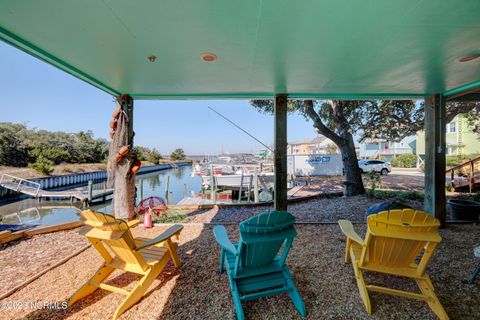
(212, 184)
(140, 189)
(241, 187)
(255, 185)
(167, 182)
(90, 190)
(250, 188)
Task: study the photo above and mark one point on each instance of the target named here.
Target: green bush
(177, 154)
(453, 161)
(422, 167)
(154, 156)
(373, 181)
(21, 146)
(147, 154)
(399, 194)
(43, 165)
(406, 160)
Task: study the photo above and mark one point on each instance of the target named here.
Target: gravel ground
(335, 183)
(198, 291)
(326, 210)
(22, 259)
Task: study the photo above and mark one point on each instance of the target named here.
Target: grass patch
(399, 194)
(173, 219)
(173, 216)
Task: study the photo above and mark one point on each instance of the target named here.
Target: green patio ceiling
(316, 48)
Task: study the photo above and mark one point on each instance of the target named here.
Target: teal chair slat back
(261, 253)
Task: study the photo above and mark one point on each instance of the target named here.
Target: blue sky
(44, 97)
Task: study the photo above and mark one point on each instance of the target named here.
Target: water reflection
(30, 211)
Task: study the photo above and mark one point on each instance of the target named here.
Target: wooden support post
(212, 184)
(435, 126)
(140, 189)
(255, 185)
(280, 156)
(241, 187)
(250, 186)
(167, 182)
(472, 177)
(124, 183)
(90, 190)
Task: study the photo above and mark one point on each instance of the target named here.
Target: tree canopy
(21, 146)
(340, 120)
(177, 154)
(390, 120)
(147, 154)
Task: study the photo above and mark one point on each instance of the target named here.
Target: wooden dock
(197, 201)
(33, 189)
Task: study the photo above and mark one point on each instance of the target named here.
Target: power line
(221, 115)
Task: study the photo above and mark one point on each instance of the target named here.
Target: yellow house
(460, 138)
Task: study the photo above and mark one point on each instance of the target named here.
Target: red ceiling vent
(152, 58)
(208, 57)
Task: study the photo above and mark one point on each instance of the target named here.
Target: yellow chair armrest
(170, 232)
(133, 223)
(347, 228)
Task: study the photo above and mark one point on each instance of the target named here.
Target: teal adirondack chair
(256, 264)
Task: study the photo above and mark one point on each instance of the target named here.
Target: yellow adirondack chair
(114, 241)
(394, 241)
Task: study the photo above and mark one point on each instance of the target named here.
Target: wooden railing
(465, 174)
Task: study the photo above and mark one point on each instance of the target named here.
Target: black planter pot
(464, 210)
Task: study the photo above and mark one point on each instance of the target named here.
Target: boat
(231, 176)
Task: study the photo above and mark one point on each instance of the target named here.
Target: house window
(452, 127)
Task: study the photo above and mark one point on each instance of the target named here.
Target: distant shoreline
(65, 169)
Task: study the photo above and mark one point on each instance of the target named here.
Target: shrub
(399, 194)
(406, 160)
(154, 156)
(43, 165)
(177, 154)
(453, 161)
(373, 181)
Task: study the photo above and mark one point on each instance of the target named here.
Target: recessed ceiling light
(208, 57)
(152, 58)
(469, 57)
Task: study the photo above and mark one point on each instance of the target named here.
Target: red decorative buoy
(147, 220)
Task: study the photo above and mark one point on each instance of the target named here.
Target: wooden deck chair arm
(221, 236)
(133, 223)
(170, 232)
(347, 228)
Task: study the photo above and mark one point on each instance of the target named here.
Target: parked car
(380, 166)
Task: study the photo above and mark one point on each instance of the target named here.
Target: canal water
(29, 211)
